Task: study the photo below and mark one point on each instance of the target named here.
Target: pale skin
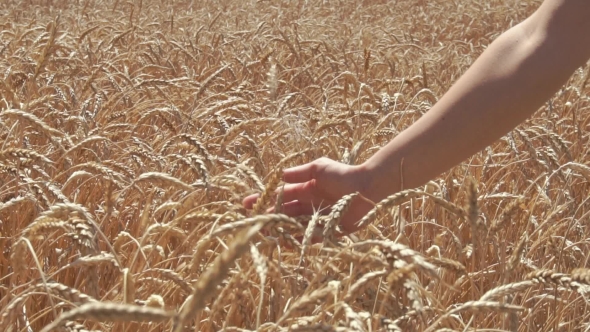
(512, 78)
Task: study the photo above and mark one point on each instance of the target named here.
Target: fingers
(303, 192)
(301, 184)
(307, 172)
(299, 174)
(249, 201)
(295, 209)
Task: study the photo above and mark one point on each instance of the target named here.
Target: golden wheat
(131, 131)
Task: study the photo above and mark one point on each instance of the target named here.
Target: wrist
(375, 182)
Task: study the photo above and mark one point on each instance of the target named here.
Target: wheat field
(132, 130)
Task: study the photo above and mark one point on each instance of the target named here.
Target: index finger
(299, 174)
(249, 201)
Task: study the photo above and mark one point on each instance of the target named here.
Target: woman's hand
(318, 185)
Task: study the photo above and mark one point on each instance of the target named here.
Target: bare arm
(516, 74)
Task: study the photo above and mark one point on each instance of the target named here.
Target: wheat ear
(114, 312)
(206, 286)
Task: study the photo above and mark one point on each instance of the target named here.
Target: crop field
(131, 131)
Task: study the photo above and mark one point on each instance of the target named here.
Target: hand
(318, 185)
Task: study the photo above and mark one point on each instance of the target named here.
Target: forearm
(509, 81)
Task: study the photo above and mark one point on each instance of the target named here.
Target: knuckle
(318, 165)
(322, 161)
(309, 186)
